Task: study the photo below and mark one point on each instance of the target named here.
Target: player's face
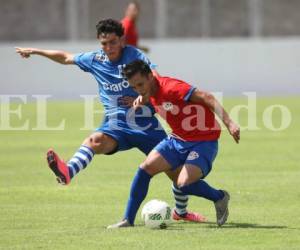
(142, 84)
(112, 45)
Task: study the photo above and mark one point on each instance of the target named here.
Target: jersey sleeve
(84, 61)
(179, 90)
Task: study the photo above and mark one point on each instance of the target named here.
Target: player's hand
(139, 101)
(24, 52)
(234, 130)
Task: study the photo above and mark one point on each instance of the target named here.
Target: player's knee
(189, 175)
(183, 181)
(95, 142)
(149, 168)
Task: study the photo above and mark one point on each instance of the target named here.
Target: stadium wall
(76, 19)
(232, 66)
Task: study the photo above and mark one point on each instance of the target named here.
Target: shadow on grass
(247, 225)
(177, 226)
(229, 225)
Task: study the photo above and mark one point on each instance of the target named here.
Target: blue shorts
(130, 137)
(177, 153)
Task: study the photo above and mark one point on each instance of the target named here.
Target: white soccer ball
(156, 214)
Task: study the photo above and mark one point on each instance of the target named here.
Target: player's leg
(190, 183)
(153, 165)
(181, 200)
(146, 141)
(180, 211)
(96, 143)
(190, 180)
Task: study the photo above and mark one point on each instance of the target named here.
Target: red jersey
(130, 32)
(189, 121)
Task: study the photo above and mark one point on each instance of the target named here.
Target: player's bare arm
(55, 55)
(212, 103)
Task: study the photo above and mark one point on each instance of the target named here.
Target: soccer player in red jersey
(129, 24)
(191, 147)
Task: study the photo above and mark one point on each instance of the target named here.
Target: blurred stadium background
(230, 46)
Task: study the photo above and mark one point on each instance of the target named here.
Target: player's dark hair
(137, 66)
(108, 26)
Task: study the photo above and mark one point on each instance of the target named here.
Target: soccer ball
(156, 214)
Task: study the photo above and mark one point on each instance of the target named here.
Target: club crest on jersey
(192, 156)
(100, 57)
(167, 106)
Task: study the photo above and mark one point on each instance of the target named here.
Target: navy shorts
(130, 137)
(177, 153)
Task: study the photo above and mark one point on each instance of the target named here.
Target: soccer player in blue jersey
(119, 130)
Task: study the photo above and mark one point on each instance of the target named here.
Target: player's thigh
(189, 174)
(167, 149)
(155, 163)
(101, 143)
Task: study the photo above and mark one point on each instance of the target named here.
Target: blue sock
(80, 160)
(202, 189)
(138, 192)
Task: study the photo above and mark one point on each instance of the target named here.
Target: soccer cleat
(222, 211)
(189, 216)
(59, 168)
(123, 223)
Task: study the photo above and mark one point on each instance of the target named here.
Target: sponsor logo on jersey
(168, 106)
(192, 156)
(116, 87)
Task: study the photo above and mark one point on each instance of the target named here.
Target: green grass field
(262, 174)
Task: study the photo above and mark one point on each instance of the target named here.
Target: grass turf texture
(262, 175)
